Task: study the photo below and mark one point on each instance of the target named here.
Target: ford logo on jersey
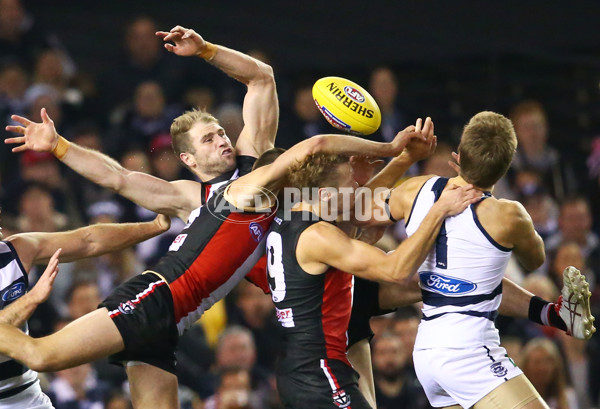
(442, 284)
(14, 292)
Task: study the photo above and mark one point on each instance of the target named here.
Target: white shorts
(30, 398)
(462, 376)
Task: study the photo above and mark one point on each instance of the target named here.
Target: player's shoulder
(409, 189)
(509, 213)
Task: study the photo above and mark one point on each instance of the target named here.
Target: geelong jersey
(13, 285)
(314, 310)
(215, 250)
(461, 278)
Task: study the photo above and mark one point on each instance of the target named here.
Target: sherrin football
(346, 105)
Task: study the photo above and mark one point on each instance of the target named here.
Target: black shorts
(142, 310)
(331, 384)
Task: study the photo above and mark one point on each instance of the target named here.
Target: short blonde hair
(486, 149)
(317, 170)
(181, 126)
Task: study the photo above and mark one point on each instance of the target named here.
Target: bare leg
(359, 356)
(517, 393)
(515, 300)
(152, 387)
(86, 339)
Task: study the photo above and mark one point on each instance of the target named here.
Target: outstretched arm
(272, 177)
(177, 198)
(19, 311)
(85, 242)
(363, 260)
(261, 107)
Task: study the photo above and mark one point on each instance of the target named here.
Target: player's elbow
(533, 262)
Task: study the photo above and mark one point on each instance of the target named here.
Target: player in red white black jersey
(312, 295)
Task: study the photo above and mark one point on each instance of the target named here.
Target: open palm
(40, 137)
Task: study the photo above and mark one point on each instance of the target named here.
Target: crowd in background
(227, 360)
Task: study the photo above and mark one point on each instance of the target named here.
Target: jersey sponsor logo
(126, 307)
(14, 292)
(354, 94)
(256, 231)
(341, 399)
(498, 369)
(286, 317)
(439, 283)
(178, 242)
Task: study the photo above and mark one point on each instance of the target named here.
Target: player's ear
(188, 159)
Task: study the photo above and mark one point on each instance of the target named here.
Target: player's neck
(459, 181)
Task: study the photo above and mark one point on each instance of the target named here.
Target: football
(346, 105)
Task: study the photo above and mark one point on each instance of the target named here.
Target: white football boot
(574, 304)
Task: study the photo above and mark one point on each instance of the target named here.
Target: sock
(544, 313)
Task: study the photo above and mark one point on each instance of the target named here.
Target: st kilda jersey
(214, 251)
(314, 310)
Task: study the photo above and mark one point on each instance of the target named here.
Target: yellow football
(346, 105)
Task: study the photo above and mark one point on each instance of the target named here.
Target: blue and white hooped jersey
(13, 285)
(461, 278)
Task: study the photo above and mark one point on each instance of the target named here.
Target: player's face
(214, 154)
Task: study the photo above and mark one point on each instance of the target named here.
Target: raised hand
(41, 291)
(187, 41)
(455, 199)
(40, 137)
(363, 168)
(421, 148)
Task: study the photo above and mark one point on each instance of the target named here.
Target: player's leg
(571, 313)
(86, 339)
(151, 387)
(517, 393)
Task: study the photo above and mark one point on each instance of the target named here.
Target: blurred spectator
(304, 121)
(543, 211)
(148, 116)
(405, 326)
(593, 181)
(383, 86)
(21, 39)
(580, 368)
(78, 388)
(145, 60)
(234, 391)
(543, 366)
(230, 118)
(396, 386)
(237, 348)
(575, 224)
(13, 84)
(37, 211)
(531, 127)
(82, 297)
(437, 163)
(255, 311)
(568, 254)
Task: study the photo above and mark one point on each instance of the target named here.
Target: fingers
(178, 29)
(169, 47)
(45, 117)
(188, 34)
(426, 127)
(21, 120)
(161, 34)
(15, 129)
(455, 156)
(172, 37)
(418, 125)
(18, 149)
